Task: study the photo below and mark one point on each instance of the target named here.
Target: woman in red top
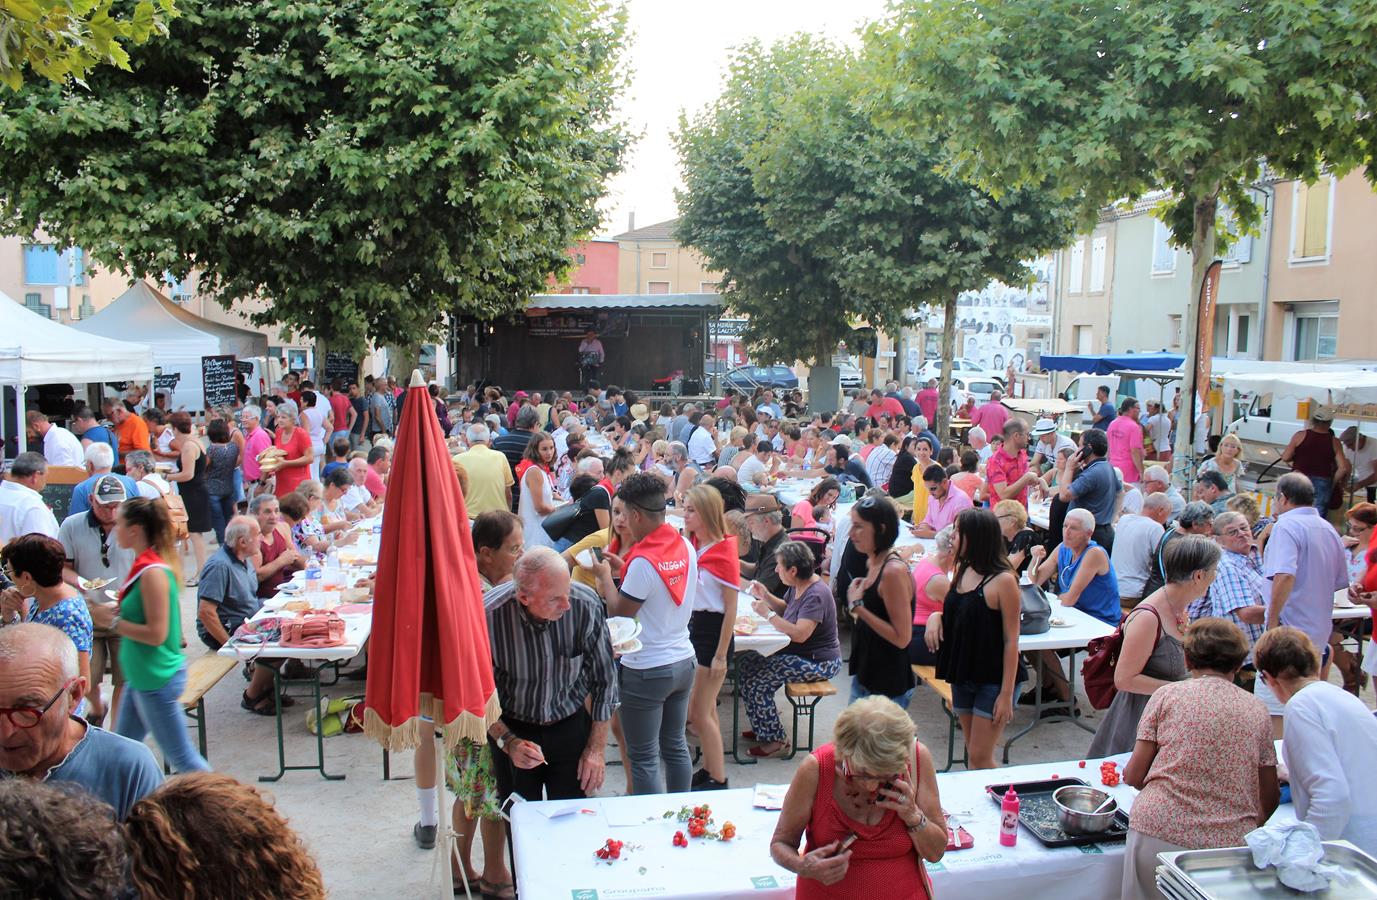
(876, 783)
(296, 443)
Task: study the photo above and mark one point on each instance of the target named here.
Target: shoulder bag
(1035, 610)
(176, 510)
(1097, 672)
(315, 628)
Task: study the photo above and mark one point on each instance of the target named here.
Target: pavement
(359, 829)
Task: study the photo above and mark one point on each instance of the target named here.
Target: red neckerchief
(523, 466)
(148, 559)
(664, 549)
(611, 491)
(720, 560)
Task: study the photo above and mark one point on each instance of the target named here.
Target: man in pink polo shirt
(1126, 441)
(944, 504)
(1007, 469)
(992, 415)
(256, 440)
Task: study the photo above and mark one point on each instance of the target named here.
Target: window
(1098, 248)
(707, 287)
(1083, 336)
(42, 264)
(659, 260)
(1241, 250)
(1174, 332)
(1163, 253)
(1076, 269)
(86, 310)
(177, 290)
(1310, 220)
(580, 259)
(1241, 340)
(580, 290)
(657, 287)
(34, 302)
(1316, 337)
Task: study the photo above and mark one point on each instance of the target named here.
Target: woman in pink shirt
(930, 587)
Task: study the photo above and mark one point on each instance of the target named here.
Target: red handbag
(313, 628)
(1097, 672)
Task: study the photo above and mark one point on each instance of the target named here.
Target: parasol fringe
(407, 735)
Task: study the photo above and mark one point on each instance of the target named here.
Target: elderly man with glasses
(41, 739)
(1237, 590)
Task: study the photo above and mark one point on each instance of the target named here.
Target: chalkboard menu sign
(217, 380)
(244, 367)
(342, 366)
(166, 382)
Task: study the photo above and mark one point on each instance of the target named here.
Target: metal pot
(1075, 809)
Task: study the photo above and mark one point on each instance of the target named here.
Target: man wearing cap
(765, 519)
(1048, 442)
(100, 461)
(1318, 455)
(88, 540)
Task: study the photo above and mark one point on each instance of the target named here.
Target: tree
(62, 39)
(1099, 100)
(366, 166)
(794, 307)
(873, 208)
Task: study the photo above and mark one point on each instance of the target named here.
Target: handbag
(558, 523)
(1035, 610)
(176, 511)
(315, 628)
(1102, 656)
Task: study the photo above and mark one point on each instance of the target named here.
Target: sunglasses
(850, 775)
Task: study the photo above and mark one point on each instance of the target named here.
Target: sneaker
(708, 784)
(699, 777)
(424, 835)
(1031, 698)
(1060, 710)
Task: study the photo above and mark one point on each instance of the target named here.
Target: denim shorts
(972, 698)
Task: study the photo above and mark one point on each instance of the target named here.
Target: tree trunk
(401, 361)
(943, 424)
(322, 351)
(1202, 254)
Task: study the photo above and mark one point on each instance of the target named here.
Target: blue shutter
(41, 262)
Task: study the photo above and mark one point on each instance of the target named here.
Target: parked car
(851, 375)
(960, 366)
(748, 378)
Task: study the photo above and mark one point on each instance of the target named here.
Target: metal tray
(1170, 883)
(1038, 813)
(1229, 873)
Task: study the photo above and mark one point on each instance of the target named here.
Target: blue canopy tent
(1108, 365)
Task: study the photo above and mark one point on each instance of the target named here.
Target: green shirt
(147, 667)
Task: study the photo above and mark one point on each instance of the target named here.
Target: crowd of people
(587, 508)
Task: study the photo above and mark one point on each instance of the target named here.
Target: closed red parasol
(428, 654)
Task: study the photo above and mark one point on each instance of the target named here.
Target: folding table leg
(282, 767)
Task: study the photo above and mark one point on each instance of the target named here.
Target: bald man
(41, 739)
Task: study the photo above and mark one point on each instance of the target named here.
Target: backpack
(1097, 672)
(176, 510)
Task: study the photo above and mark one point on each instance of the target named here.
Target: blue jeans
(654, 713)
(859, 692)
(1324, 487)
(222, 509)
(159, 711)
(342, 433)
(238, 486)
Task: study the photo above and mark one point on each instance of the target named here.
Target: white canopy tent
(36, 350)
(179, 338)
(1333, 388)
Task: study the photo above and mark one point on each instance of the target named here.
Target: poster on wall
(572, 325)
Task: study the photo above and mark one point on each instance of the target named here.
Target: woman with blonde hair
(148, 618)
(875, 782)
(1227, 461)
(711, 625)
(209, 836)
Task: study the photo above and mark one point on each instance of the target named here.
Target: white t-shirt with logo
(664, 626)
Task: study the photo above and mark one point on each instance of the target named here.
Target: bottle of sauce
(1008, 826)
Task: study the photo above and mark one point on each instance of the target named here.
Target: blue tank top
(1101, 597)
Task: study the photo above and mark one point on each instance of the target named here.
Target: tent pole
(22, 431)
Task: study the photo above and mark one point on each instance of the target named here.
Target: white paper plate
(95, 584)
(1059, 623)
(631, 646)
(586, 558)
(623, 629)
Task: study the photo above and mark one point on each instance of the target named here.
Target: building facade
(1320, 303)
(1083, 294)
(595, 269)
(651, 261)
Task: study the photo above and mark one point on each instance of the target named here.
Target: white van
(1274, 407)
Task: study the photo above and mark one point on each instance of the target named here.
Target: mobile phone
(597, 551)
(846, 844)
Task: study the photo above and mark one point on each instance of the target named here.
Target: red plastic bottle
(1008, 827)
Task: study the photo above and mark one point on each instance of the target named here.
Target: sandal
(761, 753)
(493, 891)
(261, 706)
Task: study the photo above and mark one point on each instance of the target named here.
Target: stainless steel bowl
(1075, 809)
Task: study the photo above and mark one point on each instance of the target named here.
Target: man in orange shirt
(132, 429)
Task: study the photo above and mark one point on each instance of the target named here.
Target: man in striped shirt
(1236, 593)
(550, 650)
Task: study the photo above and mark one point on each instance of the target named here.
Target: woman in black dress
(190, 479)
(882, 604)
(901, 479)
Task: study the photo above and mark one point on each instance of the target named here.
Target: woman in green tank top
(149, 619)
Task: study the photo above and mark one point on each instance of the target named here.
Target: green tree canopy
(883, 225)
(62, 39)
(1100, 100)
(365, 166)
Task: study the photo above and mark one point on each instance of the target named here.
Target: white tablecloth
(1081, 628)
(554, 857)
(1039, 513)
(766, 640)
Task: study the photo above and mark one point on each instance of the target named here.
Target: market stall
(180, 340)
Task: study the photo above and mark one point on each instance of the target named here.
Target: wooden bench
(928, 675)
(203, 673)
(804, 696)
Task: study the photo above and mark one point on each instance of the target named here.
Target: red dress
(884, 862)
(289, 478)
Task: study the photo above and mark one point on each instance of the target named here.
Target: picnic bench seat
(203, 673)
(804, 696)
(928, 675)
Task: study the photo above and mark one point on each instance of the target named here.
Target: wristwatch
(503, 740)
